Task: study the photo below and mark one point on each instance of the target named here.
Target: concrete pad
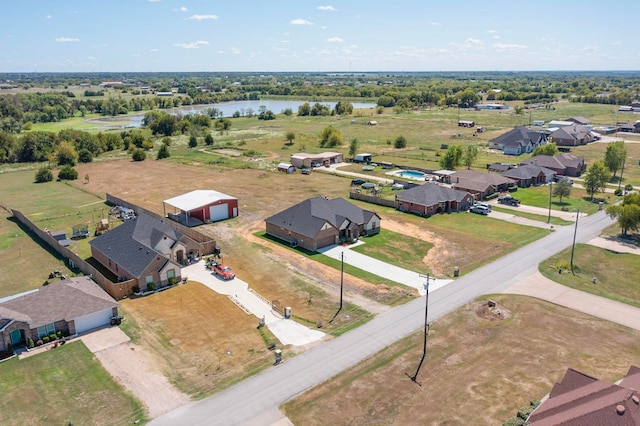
(104, 338)
(615, 244)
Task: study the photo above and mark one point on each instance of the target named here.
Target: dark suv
(509, 201)
(357, 182)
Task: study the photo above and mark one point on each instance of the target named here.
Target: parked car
(485, 205)
(305, 171)
(509, 201)
(223, 270)
(476, 208)
(368, 185)
(357, 182)
(558, 178)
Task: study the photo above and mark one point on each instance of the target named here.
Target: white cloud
(155, 1)
(66, 39)
(335, 40)
(91, 58)
(183, 9)
(491, 31)
(473, 41)
(616, 43)
(192, 45)
(202, 17)
(48, 17)
(324, 27)
(329, 8)
(234, 50)
(589, 49)
(300, 22)
(435, 24)
(509, 46)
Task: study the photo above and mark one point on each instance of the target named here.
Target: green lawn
(391, 247)
(538, 196)
(616, 273)
(62, 386)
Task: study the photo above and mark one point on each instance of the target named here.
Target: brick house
(431, 198)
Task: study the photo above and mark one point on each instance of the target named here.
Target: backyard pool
(410, 174)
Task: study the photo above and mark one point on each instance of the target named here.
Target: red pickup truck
(223, 270)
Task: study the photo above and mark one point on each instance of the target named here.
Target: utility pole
(426, 331)
(573, 247)
(341, 286)
(549, 218)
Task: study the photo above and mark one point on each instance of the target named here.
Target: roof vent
(635, 399)
(620, 409)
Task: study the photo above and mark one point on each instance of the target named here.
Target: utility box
(456, 271)
(287, 312)
(278, 355)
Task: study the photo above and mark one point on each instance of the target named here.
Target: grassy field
(616, 273)
(397, 249)
(66, 385)
(538, 217)
(480, 376)
(538, 196)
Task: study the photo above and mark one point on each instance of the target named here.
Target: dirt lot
(507, 356)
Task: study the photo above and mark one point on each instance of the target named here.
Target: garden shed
(286, 167)
(202, 206)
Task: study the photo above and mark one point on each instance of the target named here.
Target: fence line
(373, 200)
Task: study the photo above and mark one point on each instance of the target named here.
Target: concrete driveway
(383, 269)
(287, 331)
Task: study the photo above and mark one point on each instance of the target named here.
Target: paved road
(253, 401)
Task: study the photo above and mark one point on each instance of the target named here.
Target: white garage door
(219, 212)
(94, 320)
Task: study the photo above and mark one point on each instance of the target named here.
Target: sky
(305, 35)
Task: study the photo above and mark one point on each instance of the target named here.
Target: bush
(163, 152)
(138, 155)
(147, 145)
(59, 334)
(208, 139)
(172, 281)
(491, 196)
(166, 141)
(193, 141)
(151, 286)
(45, 339)
(39, 342)
(85, 156)
(44, 174)
(53, 337)
(30, 343)
(67, 173)
(617, 192)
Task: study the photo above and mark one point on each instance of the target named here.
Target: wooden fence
(373, 200)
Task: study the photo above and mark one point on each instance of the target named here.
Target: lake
(229, 108)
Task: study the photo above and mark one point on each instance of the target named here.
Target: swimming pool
(411, 174)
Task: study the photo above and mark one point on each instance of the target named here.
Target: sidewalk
(536, 285)
(287, 331)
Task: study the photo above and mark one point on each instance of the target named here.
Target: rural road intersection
(254, 401)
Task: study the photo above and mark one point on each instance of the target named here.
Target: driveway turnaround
(383, 269)
(287, 331)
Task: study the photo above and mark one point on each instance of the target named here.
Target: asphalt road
(253, 401)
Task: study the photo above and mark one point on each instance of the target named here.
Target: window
(149, 279)
(45, 330)
(171, 273)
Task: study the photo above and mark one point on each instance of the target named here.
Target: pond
(242, 107)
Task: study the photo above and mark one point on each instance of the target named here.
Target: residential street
(253, 401)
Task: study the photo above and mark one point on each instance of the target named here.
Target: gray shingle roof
(431, 194)
(518, 136)
(61, 300)
(527, 171)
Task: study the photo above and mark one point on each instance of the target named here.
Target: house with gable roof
(573, 135)
(529, 174)
(582, 400)
(431, 198)
(563, 164)
(318, 222)
(478, 183)
(145, 249)
(519, 140)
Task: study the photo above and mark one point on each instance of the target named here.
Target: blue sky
(303, 35)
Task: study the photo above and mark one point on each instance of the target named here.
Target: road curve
(257, 396)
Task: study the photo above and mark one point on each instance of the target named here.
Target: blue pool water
(411, 174)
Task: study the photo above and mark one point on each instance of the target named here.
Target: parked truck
(219, 269)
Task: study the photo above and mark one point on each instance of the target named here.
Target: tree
(469, 156)
(614, 156)
(330, 137)
(562, 189)
(627, 214)
(208, 139)
(353, 147)
(44, 174)
(163, 152)
(548, 149)
(138, 155)
(67, 172)
(400, 142)
(193, 141)
(290, 136)
(66, 154)
(596, 178)
(343, 108)
(452, 158)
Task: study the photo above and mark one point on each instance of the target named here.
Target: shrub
(30, 343)
(59, 334)
(193, 141)
(45, 339)
(151, 286)
(208, 139)
(138, 155)
(491, 196)
(44, 174)
(163, 152)
(147, 145)
(166, 141)
(85, 156)
(617, 192)
(67, 173)
(39, 342)
(53, 337)
(172, 281)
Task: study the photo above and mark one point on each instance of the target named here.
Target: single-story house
(579, 120)
(363, 158)
(529, 174)
(443, 175)
(478, 183)
(303, 160)
(72, 306)
(573, 135)
(630, 127)
(318, 222)
(431, 198)
(466, 123)
(499, 167)
(145, 249)
(519, 140)
(563, 164)
(579, 399)
(286, 168)
(557, 124)
(202, 206)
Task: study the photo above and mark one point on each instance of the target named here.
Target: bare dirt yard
(507, 355)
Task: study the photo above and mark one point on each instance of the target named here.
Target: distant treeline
(136, 91)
